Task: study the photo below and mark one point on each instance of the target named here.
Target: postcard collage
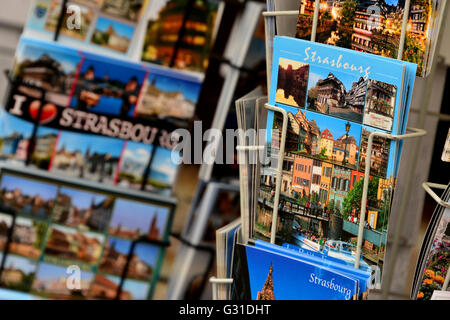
(375, 27)
(101, 119)
(334, 99)
(59, 228)
(108, 24)
(114, 27)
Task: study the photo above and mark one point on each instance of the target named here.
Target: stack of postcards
(334, 99)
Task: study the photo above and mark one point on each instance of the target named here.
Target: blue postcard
(274, 276)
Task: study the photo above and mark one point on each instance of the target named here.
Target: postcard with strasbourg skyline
(334, 99)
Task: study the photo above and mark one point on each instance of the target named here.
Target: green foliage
(414, 51)
(24, 285)
(330, 204)
(353, 198)
(261, 226)
(40, 229)
(312, 93)
(348, 12)
(383, 214)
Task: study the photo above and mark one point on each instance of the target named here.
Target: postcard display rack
(270, 27)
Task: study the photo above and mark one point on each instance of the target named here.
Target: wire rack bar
(428, 185)
(273, 230)
(215, 281)
(414, 132)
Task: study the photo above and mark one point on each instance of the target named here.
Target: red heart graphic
(48, 113)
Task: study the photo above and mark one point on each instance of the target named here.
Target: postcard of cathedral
(263, 274)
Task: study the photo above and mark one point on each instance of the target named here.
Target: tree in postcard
(414, 52)
(384, 210)
(348, 12)
(353, 200)
(346, 23)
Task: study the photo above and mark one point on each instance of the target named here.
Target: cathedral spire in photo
(266, 292)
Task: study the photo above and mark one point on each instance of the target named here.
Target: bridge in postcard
(374, 236)
(293, 208)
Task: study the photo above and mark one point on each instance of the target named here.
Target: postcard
(15, 134)
(319, 209)
(135, 160)
(129, 10)
(350, 25)
(344, 267)
(339, 94)
(325, 152)
(112, 34)
(116, 254)
(101, 88)
(106, 287)
(292, 82)
(47, 282)
(169, 95)
(5, 226)
(97, 25)
(163, 169)
(28, 237)
(163, 32)
(382, 159)
(18, 273)
(87, 156)
(28, 197)
(338, 83)
(273, 276)
(49, 67)
(86, 17)
(44, 146)
(147, 220)
(72, 244)
(81, 209)
(379, 104)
